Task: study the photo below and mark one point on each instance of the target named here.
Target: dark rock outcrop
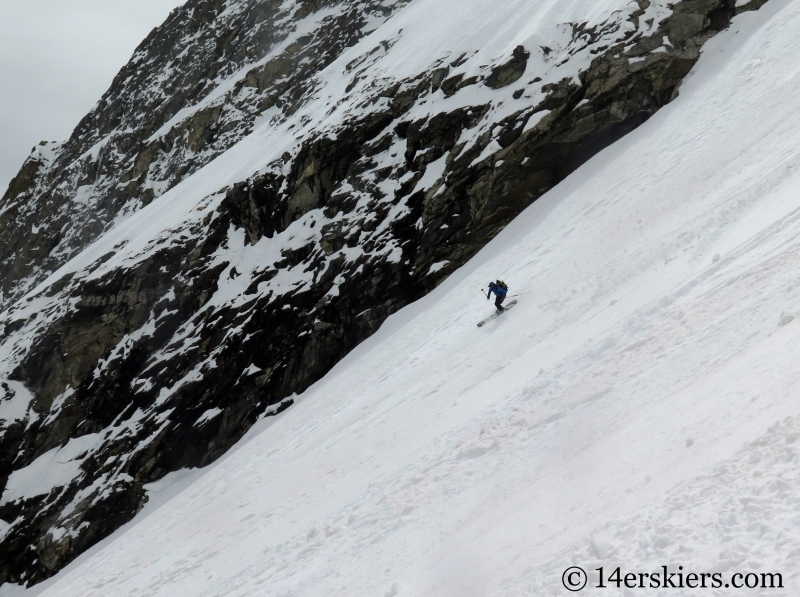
(511, 71)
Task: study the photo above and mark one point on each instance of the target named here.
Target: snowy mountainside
(637, 408)
(299, 194)
(191, 90)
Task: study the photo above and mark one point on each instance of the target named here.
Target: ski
(495, 315)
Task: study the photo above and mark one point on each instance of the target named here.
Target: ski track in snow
(637, 408)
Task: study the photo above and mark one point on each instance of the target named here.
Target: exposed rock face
(141, 358)
(511, 71)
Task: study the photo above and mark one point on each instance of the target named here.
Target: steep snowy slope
(263, 185)
(637, 408)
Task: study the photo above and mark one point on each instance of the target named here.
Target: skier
(500, 290)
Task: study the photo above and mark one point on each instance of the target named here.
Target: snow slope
(635, 409)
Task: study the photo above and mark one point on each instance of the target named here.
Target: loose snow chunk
(603, 547)
(490, 149)
(395, 255)
(433, 172)
(207, 416)
(14, 401)
(252, 370)
(52, 469)
(534, 120)
(57, 533)
(437, 266)
(4, 526)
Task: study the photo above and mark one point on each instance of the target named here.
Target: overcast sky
(57, 57)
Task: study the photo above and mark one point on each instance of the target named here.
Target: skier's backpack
(502, 284)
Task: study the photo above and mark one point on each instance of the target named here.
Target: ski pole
(520, 294)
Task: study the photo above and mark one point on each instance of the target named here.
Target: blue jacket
(498, 290)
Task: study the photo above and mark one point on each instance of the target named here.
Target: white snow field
(638, 407)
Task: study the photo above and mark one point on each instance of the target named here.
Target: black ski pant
(499, 302)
